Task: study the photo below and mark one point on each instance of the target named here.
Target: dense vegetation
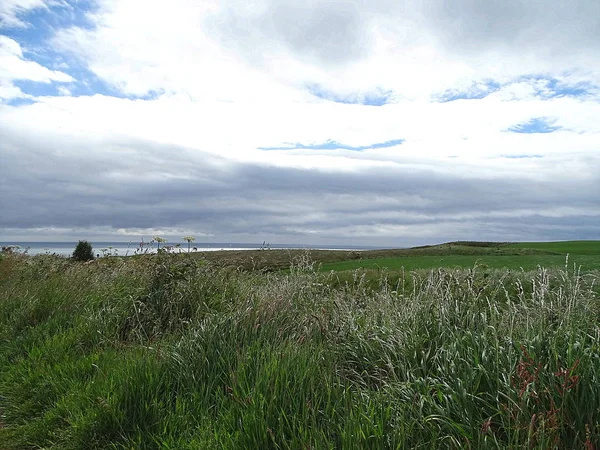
(171, 351)
(83, 251)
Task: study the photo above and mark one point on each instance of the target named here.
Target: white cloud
(11, 10)
(140, 149)
(63, 90)
(233, 50)
(227, 78)
(9, 90)
(15, 67)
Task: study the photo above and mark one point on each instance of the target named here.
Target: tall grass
(169, 352)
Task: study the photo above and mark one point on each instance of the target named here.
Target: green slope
(571, 247)
(526, 255)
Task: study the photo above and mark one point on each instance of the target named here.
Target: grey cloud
(337, 32)
(551, 27)
(165, 186)
(328, 33)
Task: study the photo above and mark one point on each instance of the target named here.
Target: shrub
(83, 251)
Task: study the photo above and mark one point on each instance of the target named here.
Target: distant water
(132, 248)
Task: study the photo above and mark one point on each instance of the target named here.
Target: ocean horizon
(119, 248)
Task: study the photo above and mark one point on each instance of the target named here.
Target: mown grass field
(177, 352)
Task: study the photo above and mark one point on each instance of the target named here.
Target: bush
(83, 251)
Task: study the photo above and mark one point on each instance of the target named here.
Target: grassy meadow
(461, 345)
(526, 256)
(521, 256)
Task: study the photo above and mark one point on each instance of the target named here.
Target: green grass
(527, 262)
(451, 254)
(564, 247)
(172, 352)
(526, 256)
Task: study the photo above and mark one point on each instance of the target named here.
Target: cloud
(13, 13)
(105, 177)
(15, 67)
(535, 125)
(333, 145)
(10, 10)
(549, 29)
(378, 122)
(353, 52)
(62, 90)
(328, 33)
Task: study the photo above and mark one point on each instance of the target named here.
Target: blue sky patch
(522, 156)
(535, 125)
(563, 90)
(38, 89)
(476, 91)
(377, 98)
(19, 101)
(334, 145)
(546, 87)
(43, 22)
(555, 88)
(34, 40)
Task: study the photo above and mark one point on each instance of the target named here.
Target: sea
(134, 248)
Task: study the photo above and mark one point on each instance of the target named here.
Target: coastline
(130, 249)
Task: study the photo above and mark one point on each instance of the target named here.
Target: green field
(530, 262)
(291, 350)
(563, 247)
(526, 256)
(457, 254)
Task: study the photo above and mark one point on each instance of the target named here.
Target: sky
(379, 122)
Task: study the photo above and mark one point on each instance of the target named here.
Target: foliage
(83, 251)
(168, 351)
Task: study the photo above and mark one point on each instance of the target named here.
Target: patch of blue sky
(476, 91)
(562, 90)
(84, 83)
(334, 145)
(545, 86)
(523, 156)
(535, 125)
(37, 89)
(376, 98)
(42, 23)
(554, 87)
(20, 101)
